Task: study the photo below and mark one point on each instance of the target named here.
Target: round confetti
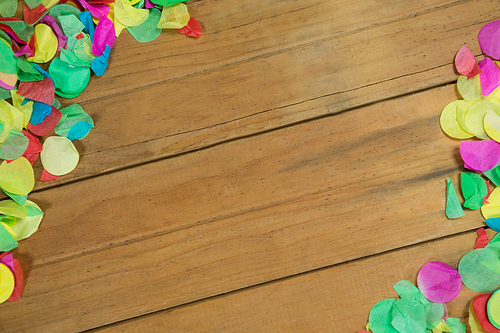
(476, 276)
(59, 156)
(7, 283)
(494, 309)
(439, 282)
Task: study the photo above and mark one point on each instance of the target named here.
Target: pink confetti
(480, 155)
(466, 63)
(104, 35)
(490, 77)
(489, 39)
(439, 282)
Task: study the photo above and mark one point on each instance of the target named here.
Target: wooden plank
(279, 90)
(337, 299)
(238, 31)
(290, 203)
(399, 137)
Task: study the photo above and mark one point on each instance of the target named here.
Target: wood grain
(280, 89)
(241, 214)
(324, 155)
(335, 299)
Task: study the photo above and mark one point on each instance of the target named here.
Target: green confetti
(7, 241)
(8, 8)
(475, 276)
(381, 317)
(167, 3)
(453, 208)
(147, 31)
(473, 189)
(69, 81)
(14, 145)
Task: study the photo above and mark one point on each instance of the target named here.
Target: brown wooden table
(278, 174)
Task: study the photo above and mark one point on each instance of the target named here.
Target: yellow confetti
(59, 156)
(17, 176)
(7, 283)
(45, 45)
(469, 89)
(475, 116)
(449, 122)
(174, 17)
(492, 209)
(128, 15)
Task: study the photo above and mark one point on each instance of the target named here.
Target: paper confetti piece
(449, 122)
(147, 31)
(7, 282)
(70, 81)
(380, 318)
(469, 89)
(104, 36)
(489, 39)
(7, 240)
(466, 63)
(174, 17)
(26, 226)
(18, 282)
(492, 209)
(490, 76)
(474, 117)
(479, 306)
(75, 123)
(128, 15)
(493, 308)
(46, 44)
(47, 176)
(473, 189)
(453, 208)
(476, 276)
(17, 176)
(192, 28)
(494, 223)
(482, 239)
(439, 282)
(59, 156)
(480, 155)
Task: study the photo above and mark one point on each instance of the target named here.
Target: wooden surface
(278, 174)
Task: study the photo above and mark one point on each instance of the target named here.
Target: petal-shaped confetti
(469, 89)
(14, 145)
(466, 63)
(7, 283)
(490, 76)
(381, 317)
(47, 176)
(480, 307)
(99, 64)
(491, 123)
(147, 31)
(59, 156)
(7, 240)
(46, 44)
(104, 36)
(47, 125)
(8, 81)
(473, 189)
(51, 22)
(449, 122)
(489, 39)
(494, 223)
(482, 239)
(480, 155)
(408, 316)
(167, 3)
(128, 15)
(492, 208)
(41, 91)
(18, 279)
(453, 208)
(192, 29)
(476, 276)
(439, 282)
(70, 81)
(75, 123)
(474, 322)
(28, 225)
(17, 176)
(10, 207)
(493, 309)
(174, 17)
(8, 8)
(474, 118)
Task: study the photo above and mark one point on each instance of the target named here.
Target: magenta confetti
(438, 282)
(104, 35)
(480, 155)
(489, 39)
(490, 76)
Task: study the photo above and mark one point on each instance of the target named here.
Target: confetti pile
(73, 38)
(423, 309)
